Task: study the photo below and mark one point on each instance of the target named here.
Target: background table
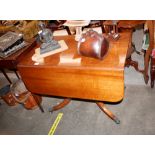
(11, 61)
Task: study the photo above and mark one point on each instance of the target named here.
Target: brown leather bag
(8, 96)
(28, 100)
(92, 44)
(23, 96)
(32, 102)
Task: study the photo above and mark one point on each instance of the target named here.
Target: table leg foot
(61, 105)
(117, 121)
(108, 112)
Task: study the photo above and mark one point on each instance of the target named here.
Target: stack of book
(10, 43)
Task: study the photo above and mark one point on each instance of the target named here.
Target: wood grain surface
(90, 78)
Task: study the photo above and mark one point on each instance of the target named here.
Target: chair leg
(146, 77)
(102, 26)
(68, 30)
(40, 107)
(108, 112)
(0, 102)
(16, 74)
(38, 100)
(134, 48)
(130, 62)
(152, 83)
(6, 76)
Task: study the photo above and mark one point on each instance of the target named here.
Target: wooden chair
(131, 25)
(95, 24)
(55, 25)
(152, 68)
(147, 56)
(129, 62)
(120, 26)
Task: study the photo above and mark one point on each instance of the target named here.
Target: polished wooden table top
(89, 79)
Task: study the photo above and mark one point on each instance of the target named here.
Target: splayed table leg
(108, 112)
(61, 104)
